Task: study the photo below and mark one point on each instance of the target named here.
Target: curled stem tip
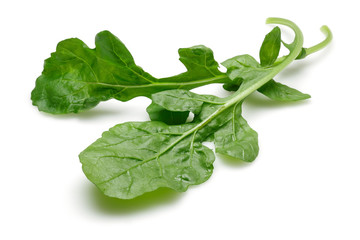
(328, 37)
(324, 29)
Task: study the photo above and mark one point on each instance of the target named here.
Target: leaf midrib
(203, 80)
(151, 83)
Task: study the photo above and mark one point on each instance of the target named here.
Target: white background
(305, 183)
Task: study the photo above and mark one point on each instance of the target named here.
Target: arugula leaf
(236, 139)
(77, 78)
(133, 158)
(280, 92)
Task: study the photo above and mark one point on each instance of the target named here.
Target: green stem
(191, 84)
(328, 37)
(241, 93)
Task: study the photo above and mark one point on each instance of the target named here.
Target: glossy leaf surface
(133, 158)
(76, 78)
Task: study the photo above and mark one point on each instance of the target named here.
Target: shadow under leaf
(151, 200)
(86, 115)
(233, 162)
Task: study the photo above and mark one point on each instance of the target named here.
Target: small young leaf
(270, 47)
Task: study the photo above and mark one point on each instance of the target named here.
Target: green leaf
(137, 157)
(270, 47)
(236, 139)
(77, 78)
(200, 64)
(133, 158)
(280, 92)
(182, 100)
